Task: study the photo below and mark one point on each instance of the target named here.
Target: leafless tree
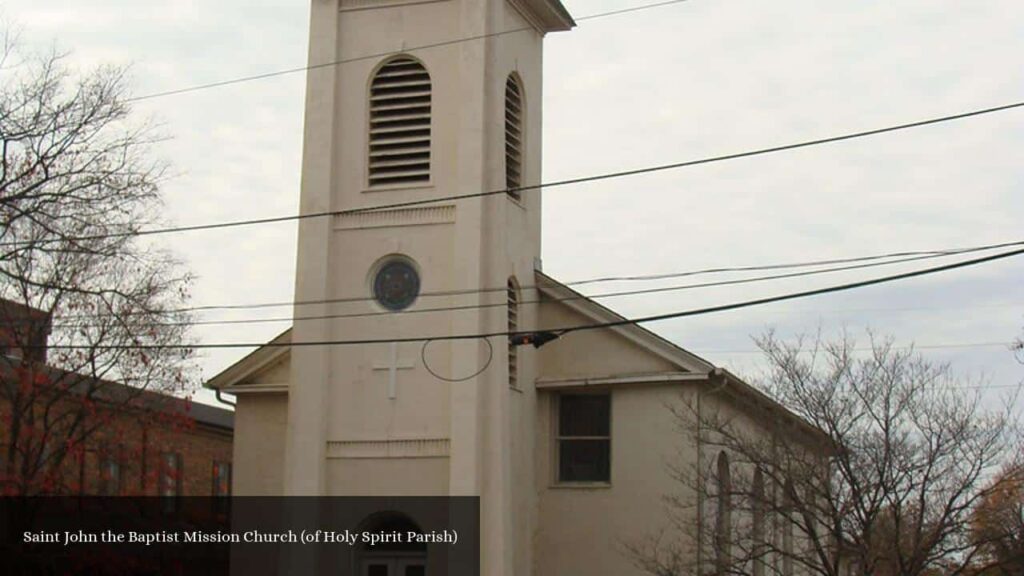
(902, 454)
(76, 182)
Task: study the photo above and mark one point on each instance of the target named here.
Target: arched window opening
(723, 518)
(758, 507)
(400, 101)
(788, 517)
(514, 140)
(513, 326)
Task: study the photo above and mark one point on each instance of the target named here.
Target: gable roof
(253, 362)
(582, 305)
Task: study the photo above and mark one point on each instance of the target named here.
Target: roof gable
(616, 351)
(262, 366)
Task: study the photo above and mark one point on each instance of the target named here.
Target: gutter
(217, 393)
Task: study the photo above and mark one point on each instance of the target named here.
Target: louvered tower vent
(513, 137)
(513, 326)
(400, 123)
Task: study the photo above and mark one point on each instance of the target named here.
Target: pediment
(266, 369)
(621, 353)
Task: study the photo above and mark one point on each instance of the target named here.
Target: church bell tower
(412, 108)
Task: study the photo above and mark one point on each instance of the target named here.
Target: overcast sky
(673, 83)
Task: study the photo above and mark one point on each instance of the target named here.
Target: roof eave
(252, 362)
(545, 15)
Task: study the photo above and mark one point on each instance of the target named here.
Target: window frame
(213, 488)
(368, 179)
(166, 480)
(514, 193)
(114, 457)
(558, 438)
(723, 535)
(512, 295)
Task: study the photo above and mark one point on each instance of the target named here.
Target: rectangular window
(221, 479)
(584, 438)
(110, 475)
(171, 469)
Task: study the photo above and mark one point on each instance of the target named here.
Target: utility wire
(289, 71)
(521, 337)
(900, 257)
(795, 295)
(947, 346)
(554, 184)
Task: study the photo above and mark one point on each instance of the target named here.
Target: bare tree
(76, 183)
(886, 485)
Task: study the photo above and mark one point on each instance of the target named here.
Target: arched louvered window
(400, 123)
(514, 140)
(513, 326)
(723, 517)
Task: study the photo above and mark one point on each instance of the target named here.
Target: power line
(540, 337)
(902, 257)
(289, 71)
(795, 295)
(947, 346)
(503, 303)
(554, 184)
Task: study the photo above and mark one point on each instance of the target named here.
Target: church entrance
(394, 567)
(394, 556)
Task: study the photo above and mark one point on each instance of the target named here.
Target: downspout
(217, 393)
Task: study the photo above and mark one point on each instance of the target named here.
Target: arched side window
(788, 516)
(723, 518)
(758, 507)
(399, 140)
(514, 140)
(513, 326)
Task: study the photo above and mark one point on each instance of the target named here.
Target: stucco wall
(583, 528)
(260, 421)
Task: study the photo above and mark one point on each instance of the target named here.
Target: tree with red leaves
(91, 325)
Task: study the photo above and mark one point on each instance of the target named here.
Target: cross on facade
(393, 366)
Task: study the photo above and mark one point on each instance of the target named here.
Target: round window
(396, 285)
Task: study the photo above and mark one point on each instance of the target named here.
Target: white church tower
(432, 99)
(413, 109)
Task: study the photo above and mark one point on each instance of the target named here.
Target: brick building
(139, 442)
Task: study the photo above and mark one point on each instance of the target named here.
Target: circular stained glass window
(396, 285)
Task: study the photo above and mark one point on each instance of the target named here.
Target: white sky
(680, 82)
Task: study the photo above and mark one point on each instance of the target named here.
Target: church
(566, 445)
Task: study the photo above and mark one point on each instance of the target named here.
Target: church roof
(545, 15)
(554, 291)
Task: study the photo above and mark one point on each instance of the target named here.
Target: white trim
(562, 294)
(359, 5)
(653, 378)
(389, 448)
(255, 389)
(252, 363)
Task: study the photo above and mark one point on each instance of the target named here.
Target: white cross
(393, 366)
